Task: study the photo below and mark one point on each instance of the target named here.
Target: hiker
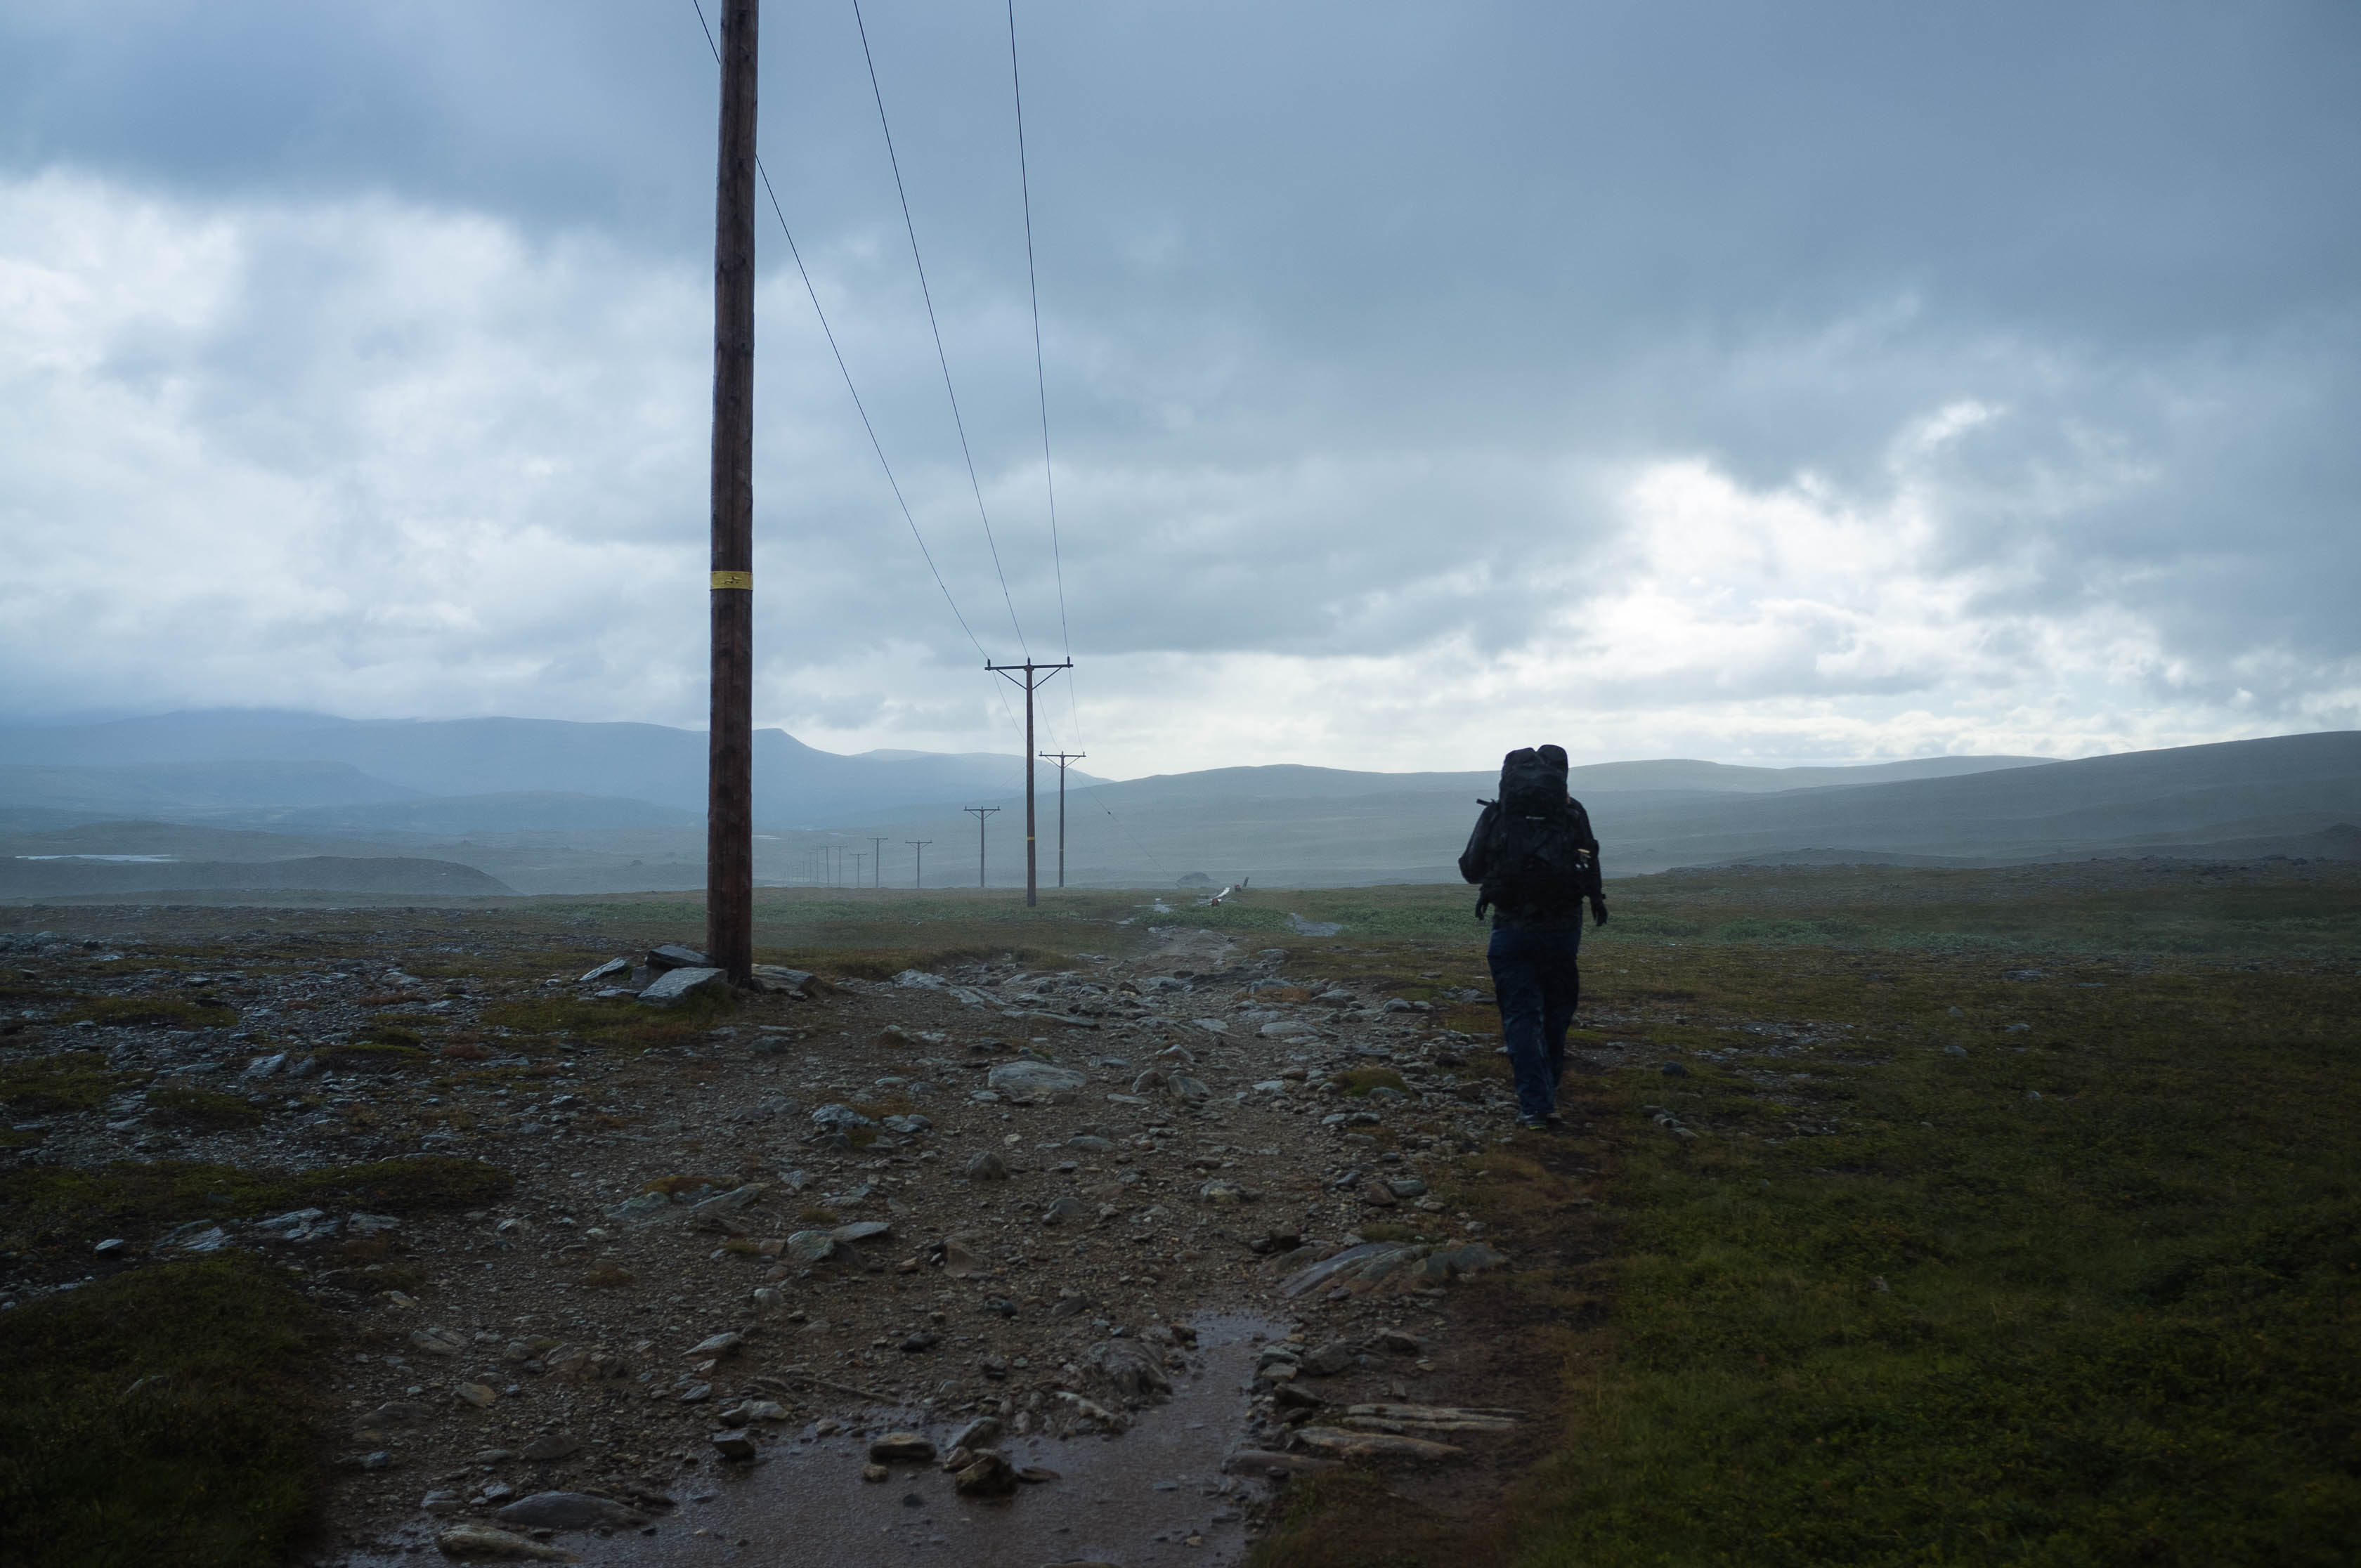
(1537, 860)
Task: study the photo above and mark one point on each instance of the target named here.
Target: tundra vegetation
(1911, 1216)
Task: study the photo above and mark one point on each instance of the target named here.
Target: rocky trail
(992, 1265)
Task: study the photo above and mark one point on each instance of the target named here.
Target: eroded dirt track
(1077, 1203)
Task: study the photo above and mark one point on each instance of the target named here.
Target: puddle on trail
(1134, 1500)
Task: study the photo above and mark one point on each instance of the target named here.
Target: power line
(1040, 377)
(1135, 844)
(855, 392)
(942, 358)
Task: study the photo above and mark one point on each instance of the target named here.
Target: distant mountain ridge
(1282, 825)
(196, 786)
(267, 767)
(1283, 780)
(795, 785)
(1289, 826)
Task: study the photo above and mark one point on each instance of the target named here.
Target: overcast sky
(1757, 382)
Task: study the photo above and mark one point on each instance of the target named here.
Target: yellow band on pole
(734, 580)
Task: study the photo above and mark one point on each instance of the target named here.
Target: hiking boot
(1534, 1124)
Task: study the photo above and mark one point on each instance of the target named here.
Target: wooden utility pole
(877, 865)
(729, 733)
(1064, 760)
(981, 813)
(919, 879)
(1031, 684)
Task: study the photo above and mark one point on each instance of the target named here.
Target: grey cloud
(1349, 314)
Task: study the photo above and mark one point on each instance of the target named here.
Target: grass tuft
(49, 1207)
(159, 1417)
(202, 1108)
(374, 1056)
(122, 1012)
(1361, 1079)
(75, 1080)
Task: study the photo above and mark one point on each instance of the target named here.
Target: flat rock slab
(736, 1198)
(482, 1540)
(566, 1510)
(673, 985)
(1436, 1413)
(1373, 1444)
(643, 1210)
(778, 977)
(1026, 1079)
(1352, 1260)
(1258, 1462)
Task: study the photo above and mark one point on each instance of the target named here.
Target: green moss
(202, 1108)
(373, 1056)
(1387, 1232)
(52, 1208)
(383, 1033)
(618, 1023)
(403, 1186)
(164, 1012)
(159, 1417)
(72, 1080)
(1361, 1079)
(1816, 931)
(2090, 1303)
(1641, 925)
(674, 1186)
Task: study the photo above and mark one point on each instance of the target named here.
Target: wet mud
(1154, 1493)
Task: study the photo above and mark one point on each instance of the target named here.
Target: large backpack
(1536, 858)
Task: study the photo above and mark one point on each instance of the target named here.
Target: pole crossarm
(980, 812)
(1033, 673)
(1064, 760)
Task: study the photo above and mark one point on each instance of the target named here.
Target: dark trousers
(1537, 976)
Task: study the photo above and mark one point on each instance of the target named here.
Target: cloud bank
(1836, 385)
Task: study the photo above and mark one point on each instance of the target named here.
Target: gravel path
(866, 1205)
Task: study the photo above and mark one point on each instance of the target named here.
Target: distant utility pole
(1064, 760)
(877, 866)
(730, 730)
(919, 845)
(981, 813)
(857, 858)
(1031, 684)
